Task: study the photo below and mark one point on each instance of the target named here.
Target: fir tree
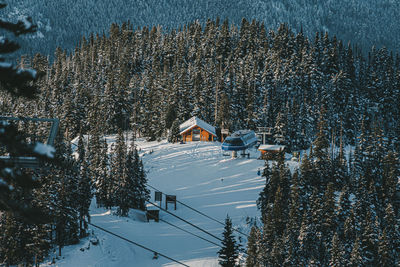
(103, 182)
(389, 241)
(329, 223)
(144, 193)
(84, 195)
(369, 241)
(386, 251)
(253, 248)
(293, 226)
(356, 256)
(19, 83)
(337, 257)
(320, 152)
(13, 241)
(174, 132)
(118, 173)
(342, 210)
(228, 254)
(127, 191)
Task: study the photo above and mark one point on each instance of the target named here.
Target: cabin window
(234, 141)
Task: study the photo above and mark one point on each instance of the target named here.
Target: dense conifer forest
(63, 22)
(231, 77)
(338, 209)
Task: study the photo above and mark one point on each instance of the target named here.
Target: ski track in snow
(201, 177)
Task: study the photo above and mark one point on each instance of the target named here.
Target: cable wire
(132, 242)
(180, 228)
(186, 231)
(176, 216)
(205, 215)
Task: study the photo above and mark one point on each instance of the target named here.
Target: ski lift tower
(31, 162)
(264, 134)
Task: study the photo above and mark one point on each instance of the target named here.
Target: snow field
(201, 177)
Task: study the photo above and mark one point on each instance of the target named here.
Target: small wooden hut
(270, 151)
(196, 129)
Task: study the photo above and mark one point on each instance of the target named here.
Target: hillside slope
(63, 22)
(201, 177)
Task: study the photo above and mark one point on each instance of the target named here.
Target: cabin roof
(271, 147)
(194, 121)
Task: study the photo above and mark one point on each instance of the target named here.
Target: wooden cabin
(196, 129)
(270, 151)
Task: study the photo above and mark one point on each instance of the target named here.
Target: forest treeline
(62, 23)
(336, 209)
(318, 91)
(63, 190)
(230, 77)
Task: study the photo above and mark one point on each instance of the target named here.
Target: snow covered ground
(201, 177)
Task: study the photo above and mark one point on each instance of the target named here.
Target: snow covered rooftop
(271, 147)
(194, 121)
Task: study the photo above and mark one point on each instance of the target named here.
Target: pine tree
(390, 172)
(41, 242)
(253, 248)
(228, 254)
(19, 83)
(103, 181)
(389, 244)
(118, 173)
(386, 251)
(265, 196)
(329, 223)
(308, 178)
(337, 257)
(342, 210)
(369, 241)
(84, 195)
(144, 193)
(62, 189)
(174, 132)
(356, 258)
(293, 226)
(13, 241)
(320, 152)
(128, 190)
(310, 237)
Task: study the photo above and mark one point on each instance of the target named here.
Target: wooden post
(158, 196)
(153, 215)
(170, 199)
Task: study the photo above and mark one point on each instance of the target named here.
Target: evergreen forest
(321, 94)
(63, 22)
(235, 78)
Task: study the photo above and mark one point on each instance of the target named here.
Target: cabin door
(196, 135)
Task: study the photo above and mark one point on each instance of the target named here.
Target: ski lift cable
(176, 216)
(136, 244)
(180, 228)
(205, 215)
(186, 231)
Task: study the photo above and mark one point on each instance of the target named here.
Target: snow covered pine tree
(17, 82)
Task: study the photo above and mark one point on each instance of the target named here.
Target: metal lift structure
(31, 162)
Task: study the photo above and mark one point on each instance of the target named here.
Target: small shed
(196, 129)
(270, 151)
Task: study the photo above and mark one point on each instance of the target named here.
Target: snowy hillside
(201, 177)
(64, 22)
